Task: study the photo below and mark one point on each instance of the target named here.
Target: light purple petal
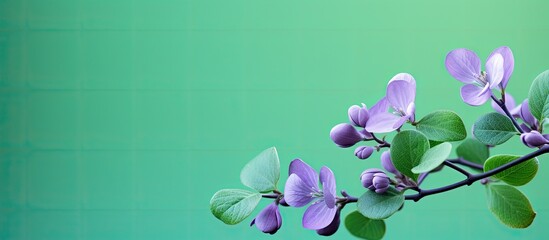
(269, 219)
(332, 227)
(305, 172)
(400, 94)
(296, 192)
(494, 70)
(474, 95)
(380, 107)
(527, 116)
(508, 63)
(509, 103)
(328, 186)
(382, 123)
(463, 65)
(400, 121)
(318, 216)
(404, 76)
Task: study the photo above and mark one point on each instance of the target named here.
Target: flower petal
(494, 70)
(508, 63)
(400, 94)
(296, 192)
(307, 174)
(475, 95)
(318, 216)
(268, 220)
(463, 64)
(332, 227)
(382, 123)
(380, 107)
(328, 186)
(527, 116)
(509, 103)
(404, 76)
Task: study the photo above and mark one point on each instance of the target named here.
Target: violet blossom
(533, 139)
(302, 188)
(269, 219)
(364, 152)
(375, 180)
(399, 98)
(345, 135)
(464, 65)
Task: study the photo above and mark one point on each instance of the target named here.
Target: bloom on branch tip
(302, 188)
(364, 152)
(464, 65)
(269, 219)
(399, 100)
(345, 135)
(533, 139)
(375, 180)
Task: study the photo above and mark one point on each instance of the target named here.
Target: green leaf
(263, 172)
(538, 97)
(363, 227)
(443, 126)
(233, 205)
(433, 158)
(407, 149)
(473, 151)
(510, 206)
(493, 129)
(517, 175)
(434, 143)
(380, 206)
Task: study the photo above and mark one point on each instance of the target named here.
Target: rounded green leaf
(517, 175)
(473, 151)
(493, 129)
(538, 97)
(510, 206)
(380, 206)
(363, 227)
(233, 205)
(407, 149)
(442, 126)
(262, 172)
(433, 158)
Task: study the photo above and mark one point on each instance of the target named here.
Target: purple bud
(364, 152)
(375, 180)
(387, 163)
(345, 135)
(358, 115)
(269, 219)
(527, 116)
(332, 227)
(533, 139)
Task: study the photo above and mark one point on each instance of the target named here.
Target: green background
(120, 119)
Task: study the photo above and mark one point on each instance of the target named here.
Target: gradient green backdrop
(120, 119)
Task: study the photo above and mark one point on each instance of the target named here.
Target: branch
(504, 108)
(382, 143)
(473, 178)
(464, 162)
(457, 168)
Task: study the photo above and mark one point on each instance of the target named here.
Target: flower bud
(268, 220)
(533, 139)
(364, 152)
(375, 180)
(345, 135)
(387, 163)
(358, 115)
(527, 116)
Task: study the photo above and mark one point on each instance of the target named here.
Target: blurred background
(120, 119)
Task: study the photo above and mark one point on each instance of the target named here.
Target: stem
(464, 162)
(382, 143)
(504, 108)
(473, 178)
(457, 168)
(274, 196)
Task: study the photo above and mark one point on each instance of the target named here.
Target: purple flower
(358, 115)
(400, 97)
(364, 152)
(387, 163)
(375, 180)
(510, 104)
(464, 65)
(533, 139)
(527, 116)
(269, 219)
(332, 227)
(345, 135)
(302, 188)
